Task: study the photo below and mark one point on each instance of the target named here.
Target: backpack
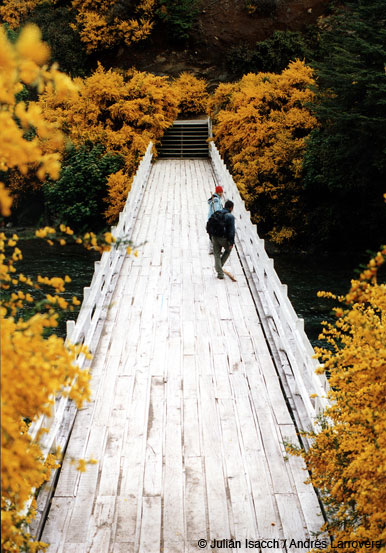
(216, 224)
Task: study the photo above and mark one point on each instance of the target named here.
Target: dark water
(39, 258)
(307, 274)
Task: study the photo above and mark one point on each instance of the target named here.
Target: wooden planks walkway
(187, 418)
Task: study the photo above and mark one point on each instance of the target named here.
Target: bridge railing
(293, 351)
(89, 324)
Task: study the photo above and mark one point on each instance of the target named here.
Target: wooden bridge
(196, 385)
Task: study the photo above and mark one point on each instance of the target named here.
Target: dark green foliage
(345, 162)
(66, 47)
(179, 16)
(271, 55)
(76, 198)
(11, 34)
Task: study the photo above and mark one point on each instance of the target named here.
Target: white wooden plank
(242, 516)
(123, 392)
(152, 484)
(195, 499)
(173, 503)
(312, 512)
(57, 522)
(75, 548)
(69, 476)
(189, 335)
(274, 453)
(212, 448)
(128, 361)
(110, 465)
(95, 447)
(174, 358)
(223, 306)
(189, 377)
(292, 519)
(127, 547)
(101, 525)
(77, 530)
(191, 428)
(126, 519)
(232, 346)
(133, 448)
(256, 464)
(175, 321)
(204, 357)
(105, 400)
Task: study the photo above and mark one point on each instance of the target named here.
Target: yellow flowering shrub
(260, 126)
(28, 160)
(14, 12)
(101, 24)
(104, 23)
(347, 458)
(122, 111)
(24, 63)
(34, 367)
(5, 201)
(193, 96)
(117, 185)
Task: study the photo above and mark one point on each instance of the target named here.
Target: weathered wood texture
(187, 420)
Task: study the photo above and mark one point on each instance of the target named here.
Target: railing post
(70, 327)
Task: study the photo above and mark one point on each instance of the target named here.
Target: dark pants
(220, 243)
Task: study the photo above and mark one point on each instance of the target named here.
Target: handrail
(88, 326)
(293, 349)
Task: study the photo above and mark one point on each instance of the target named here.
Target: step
(185, 139)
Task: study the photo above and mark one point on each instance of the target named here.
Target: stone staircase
(186, 139)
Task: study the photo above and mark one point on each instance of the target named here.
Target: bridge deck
(187, 418)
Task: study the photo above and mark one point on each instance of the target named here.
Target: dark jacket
(229, 225)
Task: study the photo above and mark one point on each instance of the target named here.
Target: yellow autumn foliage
(193, 96)
(118, 185)
(260, 126)
(23, 63)
(103, 24)
(122, 111)
(347, 458)
(15, 12)
(34, 368)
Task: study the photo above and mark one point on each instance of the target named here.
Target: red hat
(219, 190)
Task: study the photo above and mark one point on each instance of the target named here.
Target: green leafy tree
(179, 16)
(345, 160)
(271, 55)
(76, 198)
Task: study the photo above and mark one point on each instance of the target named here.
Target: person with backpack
(221, 230)
(215, 204)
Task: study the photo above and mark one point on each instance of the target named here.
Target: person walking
(215, 204)
(222, 245)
